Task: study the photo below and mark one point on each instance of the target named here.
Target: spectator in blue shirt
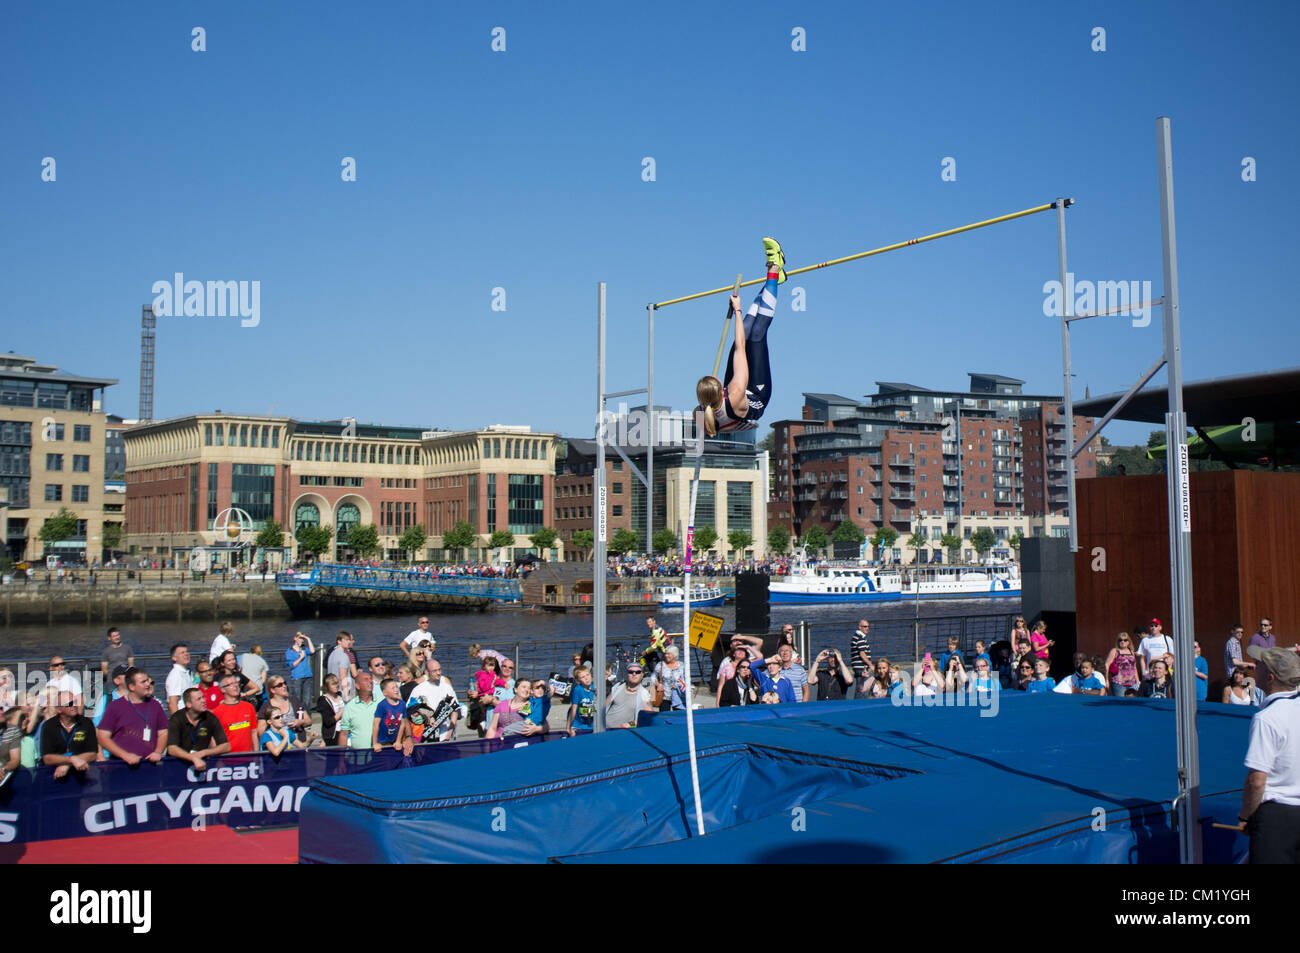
(981, 652)
(540, 709)
(298, 658)
(1084, 680)
(582, 703)
(777, 687)
(952, 650)
(1041, 682)
(1202, 674)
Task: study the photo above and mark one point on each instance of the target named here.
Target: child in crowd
(981, 652)
(582, 704)
(1041, 682)
(540, 709)
(388, 715)
(945, 656)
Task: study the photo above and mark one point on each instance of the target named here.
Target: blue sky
(523, 170)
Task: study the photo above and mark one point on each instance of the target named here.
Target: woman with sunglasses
(742, 688)
(1122, 666)
(330, 706)
(279, 701)
(1024, 672)
(1019, 636)
(984, 680)
(276, 736)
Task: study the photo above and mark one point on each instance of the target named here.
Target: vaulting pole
(686, 617)
(867, 254)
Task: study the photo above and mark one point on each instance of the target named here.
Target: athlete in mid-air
(737, 402)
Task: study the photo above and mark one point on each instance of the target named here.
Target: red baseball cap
(1155, 622)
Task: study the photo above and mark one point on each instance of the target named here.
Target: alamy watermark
(633, 428)
(1120, 298)
(987, 701)
(212, 299)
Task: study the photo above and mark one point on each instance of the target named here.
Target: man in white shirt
(419, 634)
(1155, 645)
(61, 680)
(438, 693)
(179, 678)
(222, 642)
(1270, 799)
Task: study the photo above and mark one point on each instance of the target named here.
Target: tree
(815, 538)
(314, 540)
(624, 541)
(112, 536)
(1015, 541)
(768, 443)
(459, 537)
(983, 539)
(501, 539)
(363, 540)
(59, 526)
(778, 540)
(706, 537)
(271, 536)
(952, 544)
(583, 540)
(883, 539)
(916, 541)
(412, 541)
(544, 540)
(665, 540)
(739, 541)
(848, 532)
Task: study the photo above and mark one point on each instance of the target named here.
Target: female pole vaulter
(738, 403)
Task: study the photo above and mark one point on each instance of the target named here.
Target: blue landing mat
(1049, 778)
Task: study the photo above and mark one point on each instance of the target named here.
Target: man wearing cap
(1155, 645)
(628, 699)
(1270, 800)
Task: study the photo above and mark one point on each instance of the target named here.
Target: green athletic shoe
(775, 257)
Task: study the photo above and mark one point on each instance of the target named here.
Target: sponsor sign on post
(704, 630)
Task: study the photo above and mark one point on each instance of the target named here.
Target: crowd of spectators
(218, 699)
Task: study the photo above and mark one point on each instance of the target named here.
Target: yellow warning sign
(704, 630)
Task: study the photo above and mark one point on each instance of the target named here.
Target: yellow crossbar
(867, 254)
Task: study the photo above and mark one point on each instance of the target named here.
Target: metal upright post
(599, 523)
(1067, 307)
(1180, 523)
(650, 446)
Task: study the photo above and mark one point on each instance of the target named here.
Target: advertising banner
(237, 790)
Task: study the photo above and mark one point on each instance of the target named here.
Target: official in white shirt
(1270, 800)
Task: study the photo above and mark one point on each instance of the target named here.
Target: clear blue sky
(522, 170)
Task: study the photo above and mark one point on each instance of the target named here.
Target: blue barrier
(401, 580)
(238, 790)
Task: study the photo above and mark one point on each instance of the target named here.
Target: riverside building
(52, 457)
(733, 490)
(928, 462)
(182, 473)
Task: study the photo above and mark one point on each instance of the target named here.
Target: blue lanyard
(1276, 698)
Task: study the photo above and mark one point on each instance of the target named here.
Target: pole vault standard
(1188, 803)
(599, 523)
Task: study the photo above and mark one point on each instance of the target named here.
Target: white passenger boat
(827, 583)
(671, 597)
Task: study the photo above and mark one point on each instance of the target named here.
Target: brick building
(182, 473)
(927, 461)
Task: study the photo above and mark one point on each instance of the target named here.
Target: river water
(543, 642)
